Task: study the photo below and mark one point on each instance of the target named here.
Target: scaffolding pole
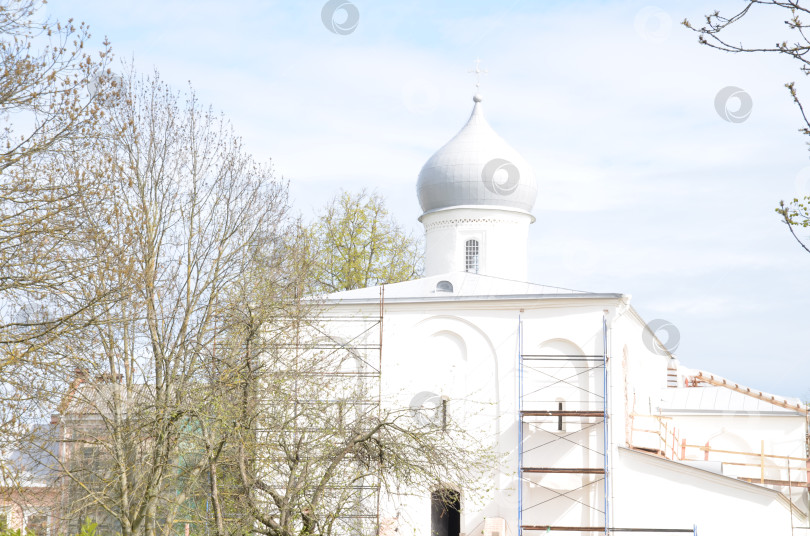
(576, 367)
(520, 426)
(605, 427)
(550, 365)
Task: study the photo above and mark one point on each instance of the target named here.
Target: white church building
(599, 428)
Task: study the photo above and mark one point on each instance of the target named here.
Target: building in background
(29, 493)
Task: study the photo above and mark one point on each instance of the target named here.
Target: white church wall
(653, 492)
(559, 330)
(547, 329)
(429, 352)
(639, 372)
(467, 351)
(445, 354)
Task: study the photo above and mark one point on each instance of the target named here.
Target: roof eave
(501, 297)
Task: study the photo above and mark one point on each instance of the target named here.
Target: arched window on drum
(472, 256)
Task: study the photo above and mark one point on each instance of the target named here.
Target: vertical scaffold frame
(598, 413)
(359, 336)
(595, 413)
(520, 426)
(605, 420)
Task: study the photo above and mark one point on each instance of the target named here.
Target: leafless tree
(185, 370)
(717, 33)
(319, 446)
(52, 93)
(182, 213)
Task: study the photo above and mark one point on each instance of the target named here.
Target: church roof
(719, 400)
(477, 167)
(463, 286)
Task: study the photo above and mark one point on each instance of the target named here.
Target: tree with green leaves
(356, 243)
(717, 33)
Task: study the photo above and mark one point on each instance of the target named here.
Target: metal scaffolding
(348, 351)
(364, 345)
(563, 415)
(562, 408)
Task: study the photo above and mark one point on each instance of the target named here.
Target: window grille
(471, 257)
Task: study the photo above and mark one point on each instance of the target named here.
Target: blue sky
(643, 187)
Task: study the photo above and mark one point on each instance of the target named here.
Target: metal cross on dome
(478, 72)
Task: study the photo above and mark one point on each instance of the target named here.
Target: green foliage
(6, 531)
(356, 243)
(796, 214)
(15, 532)
(88, 528)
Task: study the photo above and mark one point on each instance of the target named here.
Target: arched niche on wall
(448, 346)
(561, 375)
(459, 355)
(725, 442)
(557, 375)
(453, 357)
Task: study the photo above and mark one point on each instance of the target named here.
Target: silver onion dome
(476, 167)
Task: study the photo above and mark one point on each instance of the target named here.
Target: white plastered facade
(683, 450)
(465, 347)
